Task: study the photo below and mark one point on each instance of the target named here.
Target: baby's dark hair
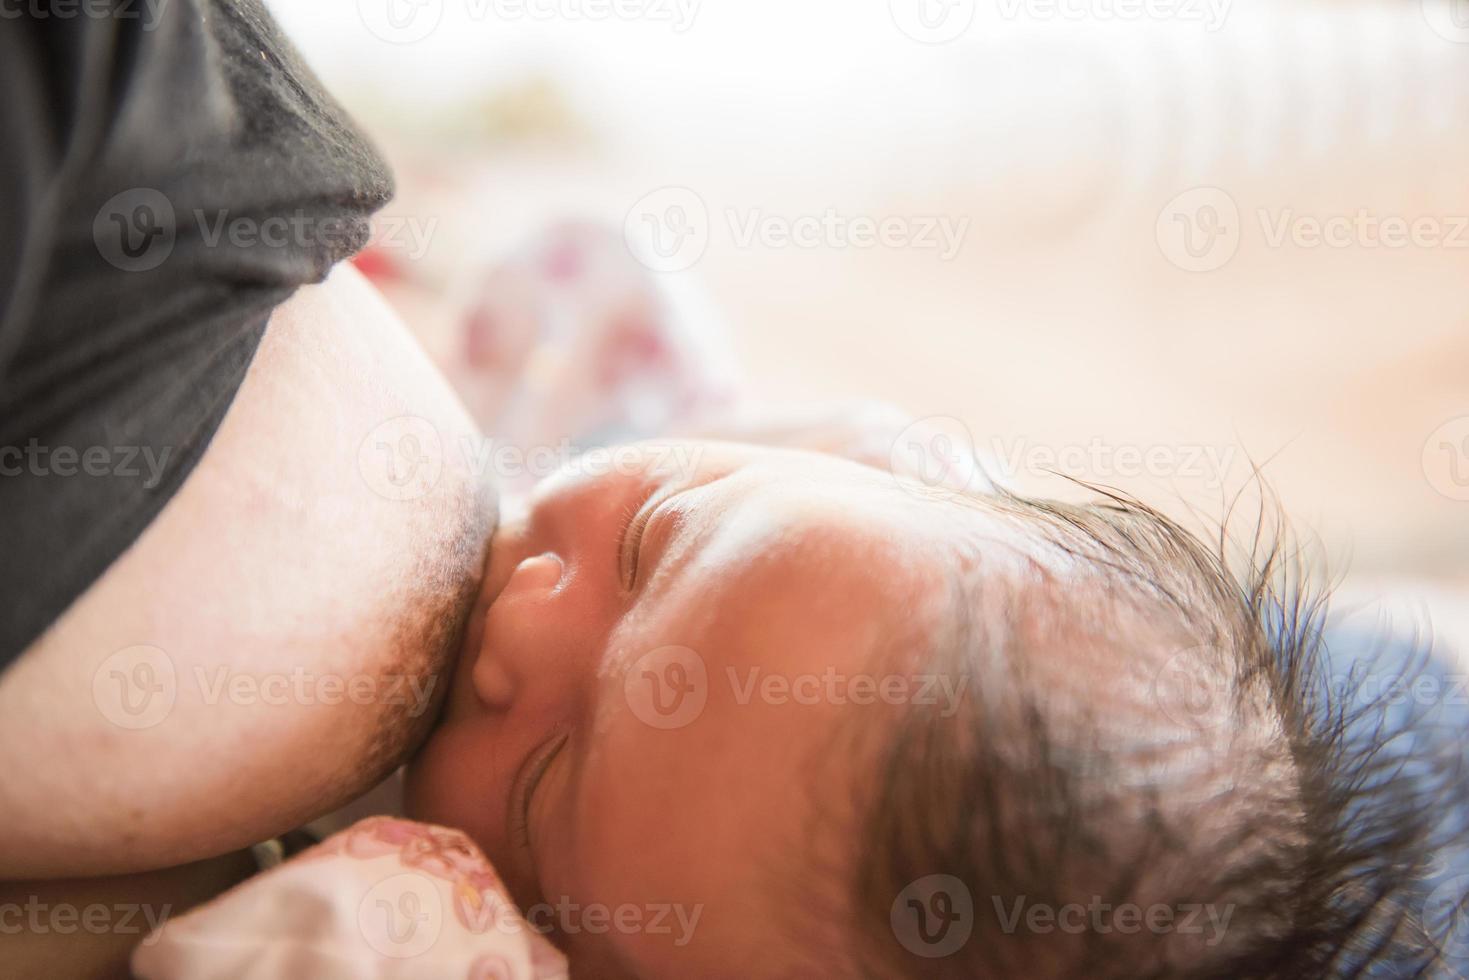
(1203, 814)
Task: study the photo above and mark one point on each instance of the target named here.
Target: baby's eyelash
(519, 821)
(630, 517)
(629, 511)
(629, 514)
(519, 833)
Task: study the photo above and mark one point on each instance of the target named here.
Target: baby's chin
(425, 795)
(440, 786)
(437, 781)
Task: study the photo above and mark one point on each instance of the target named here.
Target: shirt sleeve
(169, 174)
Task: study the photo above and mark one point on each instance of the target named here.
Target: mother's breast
(272, 644)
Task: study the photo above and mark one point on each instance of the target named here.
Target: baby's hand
(571, 339)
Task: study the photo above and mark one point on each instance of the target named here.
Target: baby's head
(728, 711)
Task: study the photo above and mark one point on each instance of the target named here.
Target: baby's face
(651, 717)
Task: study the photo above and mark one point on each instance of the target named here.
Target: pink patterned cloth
(386, 898)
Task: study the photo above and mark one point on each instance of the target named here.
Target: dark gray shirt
(169, 174)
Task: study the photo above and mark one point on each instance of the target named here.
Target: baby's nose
(535, 578)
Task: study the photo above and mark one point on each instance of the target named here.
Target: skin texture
(783, 562)
(282, 557)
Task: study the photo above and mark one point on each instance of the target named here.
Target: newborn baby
(726, 711)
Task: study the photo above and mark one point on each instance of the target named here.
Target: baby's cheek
(640, 817)
(449, 784)
(647, 856)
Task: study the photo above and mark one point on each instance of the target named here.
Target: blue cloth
(1413, 704)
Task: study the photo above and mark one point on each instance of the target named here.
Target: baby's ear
(938, 451)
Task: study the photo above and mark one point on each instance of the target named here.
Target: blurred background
(1152, 243)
